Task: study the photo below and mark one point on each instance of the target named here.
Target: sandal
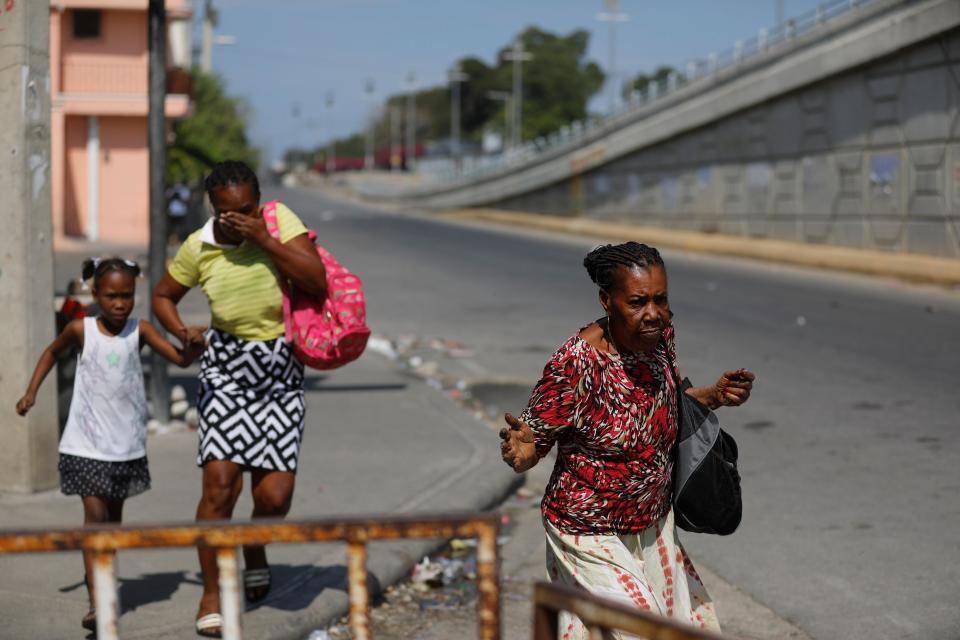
(210, 626)
(89, 621)
(256, 583)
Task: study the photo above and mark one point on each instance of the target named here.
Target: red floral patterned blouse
(614, 419)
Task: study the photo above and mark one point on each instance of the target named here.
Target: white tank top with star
(108, 413)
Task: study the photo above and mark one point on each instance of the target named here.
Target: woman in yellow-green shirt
(251, 404)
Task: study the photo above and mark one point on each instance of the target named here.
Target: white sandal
(208, 622)
(256, 579)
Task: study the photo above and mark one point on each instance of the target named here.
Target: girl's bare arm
(71, 336)
(181, 358)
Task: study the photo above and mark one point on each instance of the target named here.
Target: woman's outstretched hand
(517, 448)
(733, 388)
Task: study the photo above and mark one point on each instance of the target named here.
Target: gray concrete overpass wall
(851, 138)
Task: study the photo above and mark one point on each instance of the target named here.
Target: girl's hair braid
(96, 268)
(602, 262)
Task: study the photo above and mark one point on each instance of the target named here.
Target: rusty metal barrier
(601, 614)
(226, 537)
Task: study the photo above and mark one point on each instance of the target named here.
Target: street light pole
(612, 16)
(504, 97)
(410, 152)
(331, 145)
(455, 75)
(368, 159)
(518, 56)
(157, 149)
(395, 122)
(206, 48)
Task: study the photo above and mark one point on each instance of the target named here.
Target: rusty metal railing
(601, 615)
(226, 537)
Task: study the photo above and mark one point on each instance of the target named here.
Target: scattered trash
(801, 321)
(525, 493)
(446, 604)
(415, 361)
(382, 346)
(319, 634)
(429, 573)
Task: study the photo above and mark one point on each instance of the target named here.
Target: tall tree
(558, 82)
(216, 131)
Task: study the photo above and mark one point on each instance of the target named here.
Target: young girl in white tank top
(103, 455)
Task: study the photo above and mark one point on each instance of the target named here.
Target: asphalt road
(849, 447)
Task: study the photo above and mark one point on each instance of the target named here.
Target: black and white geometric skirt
(251, 402)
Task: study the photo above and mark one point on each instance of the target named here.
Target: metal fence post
(357, 589)
(105, 588)
(488, 584)
(230, 602)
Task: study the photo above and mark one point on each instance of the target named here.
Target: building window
(86, 23)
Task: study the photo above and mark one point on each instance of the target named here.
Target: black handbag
(706, 485)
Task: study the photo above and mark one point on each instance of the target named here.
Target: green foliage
(216, 131)
(557, 84)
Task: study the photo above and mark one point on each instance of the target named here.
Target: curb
(390, 562)
(913, 268)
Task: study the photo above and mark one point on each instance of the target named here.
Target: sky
(290, 55)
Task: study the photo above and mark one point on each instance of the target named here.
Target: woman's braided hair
(602, 262)
(231, 172)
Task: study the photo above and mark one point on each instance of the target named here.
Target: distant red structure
(381, 160)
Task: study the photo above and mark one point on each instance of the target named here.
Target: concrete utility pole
(331, 145)
(410, 151)
(28, 457)
(504, 97)
(396, 121)
(210, 17)
(518, 56)
(455, 75)
(368, 159)
(157, 143)
(612, 16)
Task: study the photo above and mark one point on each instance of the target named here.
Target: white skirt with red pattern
(649, 570)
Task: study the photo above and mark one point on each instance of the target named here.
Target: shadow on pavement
(295, 587)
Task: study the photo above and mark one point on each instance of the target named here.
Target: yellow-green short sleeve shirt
(240, 282)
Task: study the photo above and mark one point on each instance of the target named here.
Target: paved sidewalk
(376, 440)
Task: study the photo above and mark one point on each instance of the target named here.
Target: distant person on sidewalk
(178, 199)
(251, 401)
(608, 399)
(103, 455)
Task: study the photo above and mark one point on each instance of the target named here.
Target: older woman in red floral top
(608, 400)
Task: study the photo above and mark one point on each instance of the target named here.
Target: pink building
(98, 91)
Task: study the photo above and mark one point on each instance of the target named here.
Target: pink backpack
(330, 333)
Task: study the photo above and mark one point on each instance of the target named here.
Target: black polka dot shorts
(103, 478)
